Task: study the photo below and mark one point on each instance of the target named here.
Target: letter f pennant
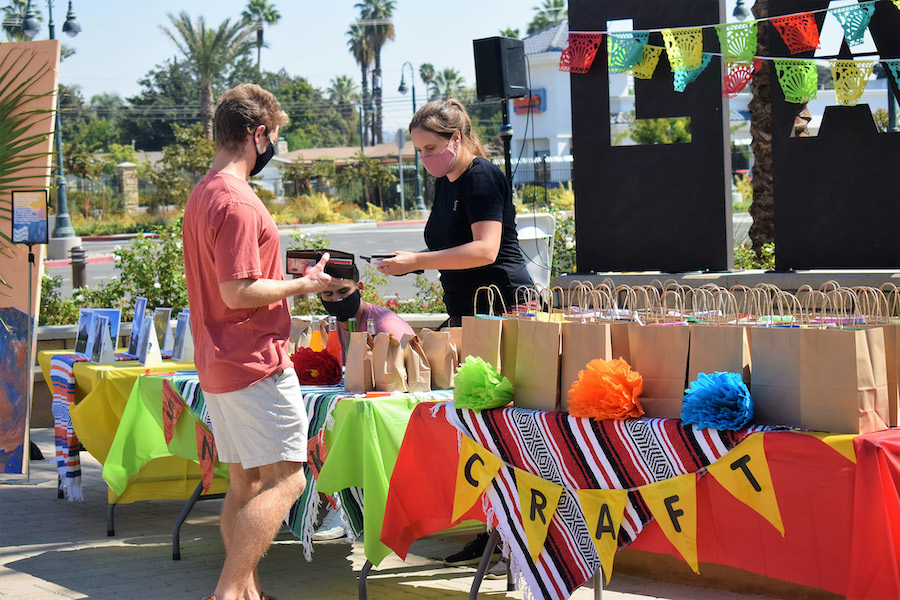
(477, 468)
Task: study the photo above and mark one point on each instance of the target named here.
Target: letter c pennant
(476, 469)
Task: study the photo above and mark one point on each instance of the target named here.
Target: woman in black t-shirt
(471, 232)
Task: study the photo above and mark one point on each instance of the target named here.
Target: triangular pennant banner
(842, 443)
(603, 510)
(896, 3)
(854, 19)
(580, 52)
(172, 405)
(673, 503)
(625, 49)
(475, 471)
(894, 67)
(799, 31)
(538, 499)
(684, 78)
(850, 77)
(738, 41)
(206, 454)
(744, 472)
(684, 47)
(798, 78)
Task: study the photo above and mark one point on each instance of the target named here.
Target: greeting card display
(161, 318)
(148, 344)
(140, 307)
(99, 346)
(84, 342)
(184, 340)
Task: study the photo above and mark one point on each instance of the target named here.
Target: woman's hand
(401, 263)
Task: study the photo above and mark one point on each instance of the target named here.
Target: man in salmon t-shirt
(241, 322)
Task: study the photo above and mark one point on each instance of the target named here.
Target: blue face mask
(262, 159)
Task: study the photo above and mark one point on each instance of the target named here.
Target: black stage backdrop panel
(650, 207)
(835, 194)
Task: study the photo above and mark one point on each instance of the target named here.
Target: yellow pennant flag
(476, 469)
(538, 499)
(841, 443)
(744, 472)
(603, 510)
(673, 503)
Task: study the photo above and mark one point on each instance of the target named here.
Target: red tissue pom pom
(316, 368)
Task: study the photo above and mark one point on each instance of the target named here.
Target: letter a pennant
(673, 503)
(538, 499)
(603, 510)
(477, 468)
(744, 472)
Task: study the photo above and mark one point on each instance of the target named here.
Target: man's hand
(316, 276)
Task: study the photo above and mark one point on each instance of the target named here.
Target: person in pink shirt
(342, 299)
(241, 322)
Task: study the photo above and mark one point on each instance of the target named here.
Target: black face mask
(344, 309)
(263, 159)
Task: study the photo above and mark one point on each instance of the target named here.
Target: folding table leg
(363, 593)
(176, 528)
(598, 584)
(111, 519)
(485, 562)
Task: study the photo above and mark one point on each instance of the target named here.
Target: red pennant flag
(316, 452)
(172, 405)
(799, 32)
(206, 454)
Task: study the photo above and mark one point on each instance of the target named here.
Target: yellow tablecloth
(101, 393)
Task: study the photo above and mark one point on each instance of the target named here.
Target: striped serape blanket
(68, 460)
(581, 453)
(320, 402)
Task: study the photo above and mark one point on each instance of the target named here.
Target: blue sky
(121, 40)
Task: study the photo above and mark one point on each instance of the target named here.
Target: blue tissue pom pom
(717, 401)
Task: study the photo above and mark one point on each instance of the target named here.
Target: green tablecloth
(362, 450)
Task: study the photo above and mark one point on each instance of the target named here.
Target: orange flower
(606, 390)
(316, 368)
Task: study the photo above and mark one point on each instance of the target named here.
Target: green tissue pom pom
(480, 386)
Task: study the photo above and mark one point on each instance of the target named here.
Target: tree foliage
(183, 164)
(548, 14)
(369, 173)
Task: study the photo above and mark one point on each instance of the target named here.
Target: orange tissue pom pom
(606, 390)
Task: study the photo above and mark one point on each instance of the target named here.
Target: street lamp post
(71, 27)
(420, 201)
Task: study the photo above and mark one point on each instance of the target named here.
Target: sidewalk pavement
(52, 549)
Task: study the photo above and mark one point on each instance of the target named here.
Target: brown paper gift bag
(719, 348)
(418, 372)
(892, 360)
(537, 364)
(443, 358)
(388, 364)
(660, 354)
(775, 384)
(481, 337)
(300, 331)
(581, 343)
(359, 376)
(844, 380)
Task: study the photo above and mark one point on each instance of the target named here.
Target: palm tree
(426, 72)
(363, 55)
(376, 16)
(13, 15)
(259, 13)
(209, 52)
(447, 84)
(762, 208)
(548, 14)
(343, 94)
(510, 33)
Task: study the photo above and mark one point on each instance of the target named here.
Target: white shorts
(262, 424)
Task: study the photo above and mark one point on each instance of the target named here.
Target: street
(362, 239)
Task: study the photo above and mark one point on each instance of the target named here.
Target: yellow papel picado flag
(744, 472)
(673, 503)
(538, 499)
(603, 510)
(477, 468)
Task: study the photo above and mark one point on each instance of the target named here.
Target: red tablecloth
(841, 519)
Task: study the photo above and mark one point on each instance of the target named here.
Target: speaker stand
(506, 134)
